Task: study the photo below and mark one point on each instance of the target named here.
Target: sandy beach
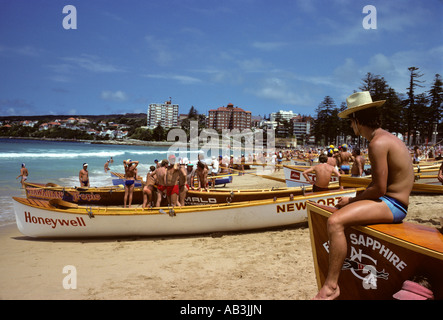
(272, 264)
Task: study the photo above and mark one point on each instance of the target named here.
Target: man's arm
(305, 174)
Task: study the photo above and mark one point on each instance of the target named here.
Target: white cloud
(117, 96)
(268, 46)
(180, 78)
(92, 63)
(161, 50)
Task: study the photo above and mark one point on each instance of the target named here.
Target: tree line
(414, 115)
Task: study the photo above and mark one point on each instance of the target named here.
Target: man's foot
(327, 293)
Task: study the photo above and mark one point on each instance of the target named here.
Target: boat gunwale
(372, 230)
(114, 210)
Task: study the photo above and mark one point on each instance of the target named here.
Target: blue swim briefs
(398, 209)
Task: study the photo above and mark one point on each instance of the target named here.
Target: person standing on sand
(172, 177)
(161, 180)
(148, 189)
(345, 158)
(323, 172)
(359, 163)
(385, 200)
(130, 176)
(24, 174)
(83, 176)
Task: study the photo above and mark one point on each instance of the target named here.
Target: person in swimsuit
(161, 180)
(148, 189)
(172, 188)
(386, 198)
(345, 158)
(323, 172)
(83, 176)
(359, 163)
(130, 176)
(24, 174)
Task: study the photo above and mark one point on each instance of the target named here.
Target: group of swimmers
(170, 178)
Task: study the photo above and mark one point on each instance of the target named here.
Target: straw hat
(359, 101)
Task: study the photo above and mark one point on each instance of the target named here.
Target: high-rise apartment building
(165, 113)
(229, 117)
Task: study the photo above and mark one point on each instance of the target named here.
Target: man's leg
(357, 213)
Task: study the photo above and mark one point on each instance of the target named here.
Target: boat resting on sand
(362, 182)
(380, 258)
(114, 195)
(58, 218)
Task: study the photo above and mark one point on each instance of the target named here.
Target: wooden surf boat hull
(111, 196)
(89, 196)
(353, 182)
(380, 257)
(55, 218)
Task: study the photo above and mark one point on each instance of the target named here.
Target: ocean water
(60, 162)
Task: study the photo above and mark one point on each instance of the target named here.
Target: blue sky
(260, 55)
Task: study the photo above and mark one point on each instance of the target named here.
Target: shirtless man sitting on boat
(130, 176)
(385, 200)
(323, 172)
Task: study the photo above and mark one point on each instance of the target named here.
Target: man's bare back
(323, 173)
(387, 151)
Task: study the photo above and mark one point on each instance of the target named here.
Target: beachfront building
(282, 115)
(164, 113)
(301, 126)
(229, 117)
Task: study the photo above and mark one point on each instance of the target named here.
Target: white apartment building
(165, 113)
(283, 115)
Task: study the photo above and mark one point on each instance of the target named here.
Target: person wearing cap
(130, 176)
(386, 198)
(24, 174)
(83, 176)
(172, 177)
(106, 166)
(418, 288)
(345, 157)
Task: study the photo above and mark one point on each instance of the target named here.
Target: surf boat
(58, 218)
(114, 195)
(362, 182)
(380, 258)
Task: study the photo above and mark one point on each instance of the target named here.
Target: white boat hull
(36, 221)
